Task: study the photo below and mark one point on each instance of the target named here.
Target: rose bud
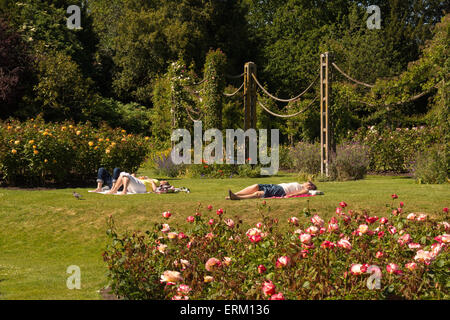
(401, 204)
(190, 219)
(379, 255)
(394, 196)
(198, 214)
(166, 214)
(268, 288)
(383, 220)
(219, 212)
(211, 221)
(261, 269)
(210, 207)
(445, 210)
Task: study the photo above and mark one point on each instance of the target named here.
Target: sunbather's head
(310, 186)
(164, 182)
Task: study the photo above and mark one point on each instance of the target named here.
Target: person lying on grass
(131, 184)
(106, 181)
(272, 190)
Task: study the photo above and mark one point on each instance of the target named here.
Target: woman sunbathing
(131, 184)
(272, 190)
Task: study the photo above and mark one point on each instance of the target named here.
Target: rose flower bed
(353, 256)
(36, 153)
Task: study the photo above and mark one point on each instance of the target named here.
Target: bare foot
(96, 190)
(227, 198)
(110, 192)
(233, 196)
(123, 193)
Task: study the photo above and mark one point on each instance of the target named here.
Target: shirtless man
(272, 190)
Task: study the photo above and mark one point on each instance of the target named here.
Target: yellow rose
(90, 143)
(16, 142)
(107, 151)
(171, 276)
(208, 279)
(78, 132)
(45, 160)
(13, 151)
(31, 142)
(34, 147)
(35, 152)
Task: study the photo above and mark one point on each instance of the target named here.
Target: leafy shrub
(306, 157)
(225, 260)
(350, 162)
(163, 165)
(36, 153)
(431, 165)
(395, 150)
(285, 157)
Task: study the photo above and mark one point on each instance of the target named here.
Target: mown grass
(45, 231)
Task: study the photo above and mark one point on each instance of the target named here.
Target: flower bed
(36, 153)
(353, 256)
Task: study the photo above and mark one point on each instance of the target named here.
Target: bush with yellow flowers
(36, 153)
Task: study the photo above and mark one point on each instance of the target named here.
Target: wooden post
(249, 96)
(325, 93)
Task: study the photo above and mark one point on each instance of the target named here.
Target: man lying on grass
(272, 190)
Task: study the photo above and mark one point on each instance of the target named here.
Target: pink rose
(445, 210)
(362, 229)
(342, 204)
(404, 239)
(261, 269)
(166, 214)
(333, 227)
(305, 238)
(278, 296)
(219, 212)
(210, 207)
(394, 196)
(357, 269)
(383, 220)
(211, 221)
(445, 238)
(411, 216)
(312, 230)
(293, 220)
(229, 223)
(268, 288)
(413, 245)
(422, 217)
(371, 219)
(212, 264)
(338, 211)
(183, 289)
(392, 268)
(424, 256)
(392, 229)
(165, 228)
(328, 244)
(345, 244)
(190, 219)
(283, 261)
(436, 248)
(181, 235)
(411, 266)
(318, 221)
(379, 255)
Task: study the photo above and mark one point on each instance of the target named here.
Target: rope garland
(350, 78)
(284, 100)
(232, 94)
(235, 77)
(286, 115)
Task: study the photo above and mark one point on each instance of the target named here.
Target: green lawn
(44, 232)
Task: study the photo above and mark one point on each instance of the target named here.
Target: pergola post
(325, 94)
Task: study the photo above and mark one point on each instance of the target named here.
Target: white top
(291, 188)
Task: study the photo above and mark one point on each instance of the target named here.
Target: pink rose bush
(298, 259)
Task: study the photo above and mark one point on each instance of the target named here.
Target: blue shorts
(271, 190)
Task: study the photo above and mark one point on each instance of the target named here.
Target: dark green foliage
(432, 165)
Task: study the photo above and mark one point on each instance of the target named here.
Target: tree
(15, 69)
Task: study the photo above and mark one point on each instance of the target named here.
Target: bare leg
(255, 195)
(116, 186)
(249, 190)
(126, 182)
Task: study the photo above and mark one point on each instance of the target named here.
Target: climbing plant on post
(177, 77)
(213, 88)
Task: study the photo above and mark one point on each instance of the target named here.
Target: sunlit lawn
(43, 232)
